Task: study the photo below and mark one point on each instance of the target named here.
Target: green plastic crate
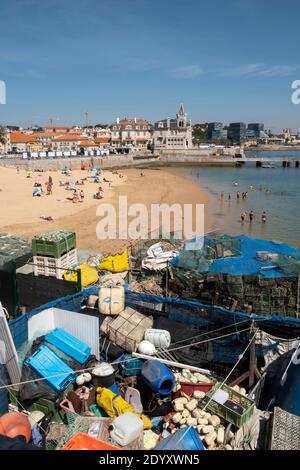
(46, 245)
(40, 404)
(230, 415)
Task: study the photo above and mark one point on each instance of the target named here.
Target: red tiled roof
(70, 137)
(20, 137)
(88, 143)
(102, 140)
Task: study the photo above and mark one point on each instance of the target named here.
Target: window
(114, 128)
(144, 127)
(128, 127)
(137, 127)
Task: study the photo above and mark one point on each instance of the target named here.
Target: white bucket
(111, 300)
(160, 338)
(126, 428)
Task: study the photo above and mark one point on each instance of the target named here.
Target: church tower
(181, 117)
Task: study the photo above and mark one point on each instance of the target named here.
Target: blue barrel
(158, 377)
(182, 439)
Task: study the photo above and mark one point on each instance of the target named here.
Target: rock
(199, 428)
(191, 405)
(203, 421)
(214, 420)
(179, 403)
(220, 435)
(183, 420)
(212, 446)
(185, 413)
(208, 429)
(191, 422)
(210, 438)
(201, 378)
(228, 447)
(196, 413)
(176, 418)
(199, 395)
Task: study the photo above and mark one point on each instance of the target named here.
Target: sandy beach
(21, 212)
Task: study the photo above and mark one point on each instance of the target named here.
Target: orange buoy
(15, 424)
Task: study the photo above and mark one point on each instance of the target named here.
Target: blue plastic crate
(69, 344)
(182, 439)
(47, 364)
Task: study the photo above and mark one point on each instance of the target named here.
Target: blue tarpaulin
(247, 262)
(243, 262)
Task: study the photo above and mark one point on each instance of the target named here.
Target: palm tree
(2, 136)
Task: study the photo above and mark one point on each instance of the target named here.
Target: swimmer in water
(243, 216)
(264, 217)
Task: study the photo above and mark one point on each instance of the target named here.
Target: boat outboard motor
(285, 389)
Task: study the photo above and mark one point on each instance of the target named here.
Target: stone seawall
(171, 158)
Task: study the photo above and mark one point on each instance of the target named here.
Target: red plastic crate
(82, 441)
(189, 388)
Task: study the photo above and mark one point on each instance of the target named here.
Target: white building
(130, 133)
(173, 133)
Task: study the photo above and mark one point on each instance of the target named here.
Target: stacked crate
(54, 252)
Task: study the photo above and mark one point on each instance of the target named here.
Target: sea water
(275, 190)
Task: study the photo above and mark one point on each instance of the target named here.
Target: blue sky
(230, 60)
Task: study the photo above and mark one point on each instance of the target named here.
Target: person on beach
(222, 194)
(229, 196)
(251, 215)
(49, 188)
(18, 169)
(81, 194)
(251, 187)
(98, 195)
(264, 217)
(238, 195)
(243, 216)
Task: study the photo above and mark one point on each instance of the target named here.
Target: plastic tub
(81, 441)
(103, 375)
(126, 428)
(69, 344)
(182, 439)
(189, 388)
(158, 377)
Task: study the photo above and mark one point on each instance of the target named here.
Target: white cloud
(260, 70)
(187, 71)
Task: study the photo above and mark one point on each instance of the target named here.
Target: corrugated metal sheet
(84, 327)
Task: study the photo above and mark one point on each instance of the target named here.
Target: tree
(2, 136)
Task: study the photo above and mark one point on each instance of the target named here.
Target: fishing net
(289, 264)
